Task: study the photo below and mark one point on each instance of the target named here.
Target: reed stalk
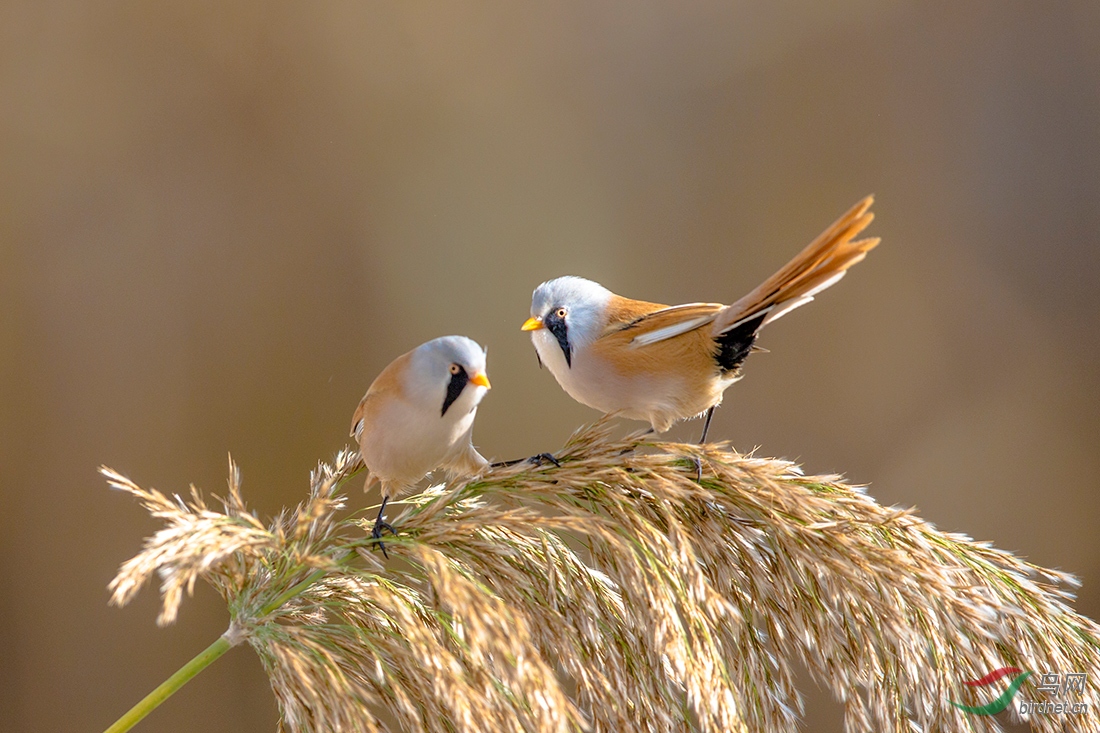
(615, 592)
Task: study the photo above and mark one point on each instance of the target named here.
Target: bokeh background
(220, 220)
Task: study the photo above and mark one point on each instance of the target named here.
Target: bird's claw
(381, 524)
(542, 458)
(537, 460)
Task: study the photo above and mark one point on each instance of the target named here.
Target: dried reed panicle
(617, 592)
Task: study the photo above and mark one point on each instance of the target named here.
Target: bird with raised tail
(418, 416)
(661, 364)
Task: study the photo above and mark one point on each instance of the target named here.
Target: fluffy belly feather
(660, 399)
(408, 445)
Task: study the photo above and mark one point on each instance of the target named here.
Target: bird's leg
(706, 424)
(379, 525)
(702, 440)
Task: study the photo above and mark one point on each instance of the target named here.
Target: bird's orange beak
(532, 324)
(481, 380)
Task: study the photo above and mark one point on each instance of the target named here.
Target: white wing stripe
(668, 332)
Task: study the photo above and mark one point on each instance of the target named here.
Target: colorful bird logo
(1005, 698)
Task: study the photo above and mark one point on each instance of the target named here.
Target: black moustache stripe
(454, 388)
(556, 325)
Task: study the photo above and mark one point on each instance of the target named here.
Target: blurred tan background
(219, 221)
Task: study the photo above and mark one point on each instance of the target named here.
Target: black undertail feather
(735, 344)
(458, 383)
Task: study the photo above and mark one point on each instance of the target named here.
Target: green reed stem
(202, 660)
(166, 689)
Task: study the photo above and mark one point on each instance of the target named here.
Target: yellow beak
(532, 324)
(481, 380)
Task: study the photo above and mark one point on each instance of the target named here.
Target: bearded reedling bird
(418, 415)
(662, 363)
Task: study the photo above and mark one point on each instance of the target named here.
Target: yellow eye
(455, 368)
(560, 313)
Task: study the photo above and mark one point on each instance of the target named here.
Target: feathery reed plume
(616, 592)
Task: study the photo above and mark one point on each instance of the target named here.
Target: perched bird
(661, 364)
(418, 415)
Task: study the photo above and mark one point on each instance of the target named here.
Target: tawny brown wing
(387, 382)
(663, 323)
(670, 340)
(362, 412)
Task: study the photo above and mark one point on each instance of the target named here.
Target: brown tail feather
(828, 256)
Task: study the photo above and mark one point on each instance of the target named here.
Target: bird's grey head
(571, 309)
(449, 373)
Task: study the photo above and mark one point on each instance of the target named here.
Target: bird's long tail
(819, 265)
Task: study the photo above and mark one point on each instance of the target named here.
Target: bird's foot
(538, 460)
(698, 468)
(544, 458)
(381, 524)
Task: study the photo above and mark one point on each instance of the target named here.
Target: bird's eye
(455, 368)
(560, 313)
